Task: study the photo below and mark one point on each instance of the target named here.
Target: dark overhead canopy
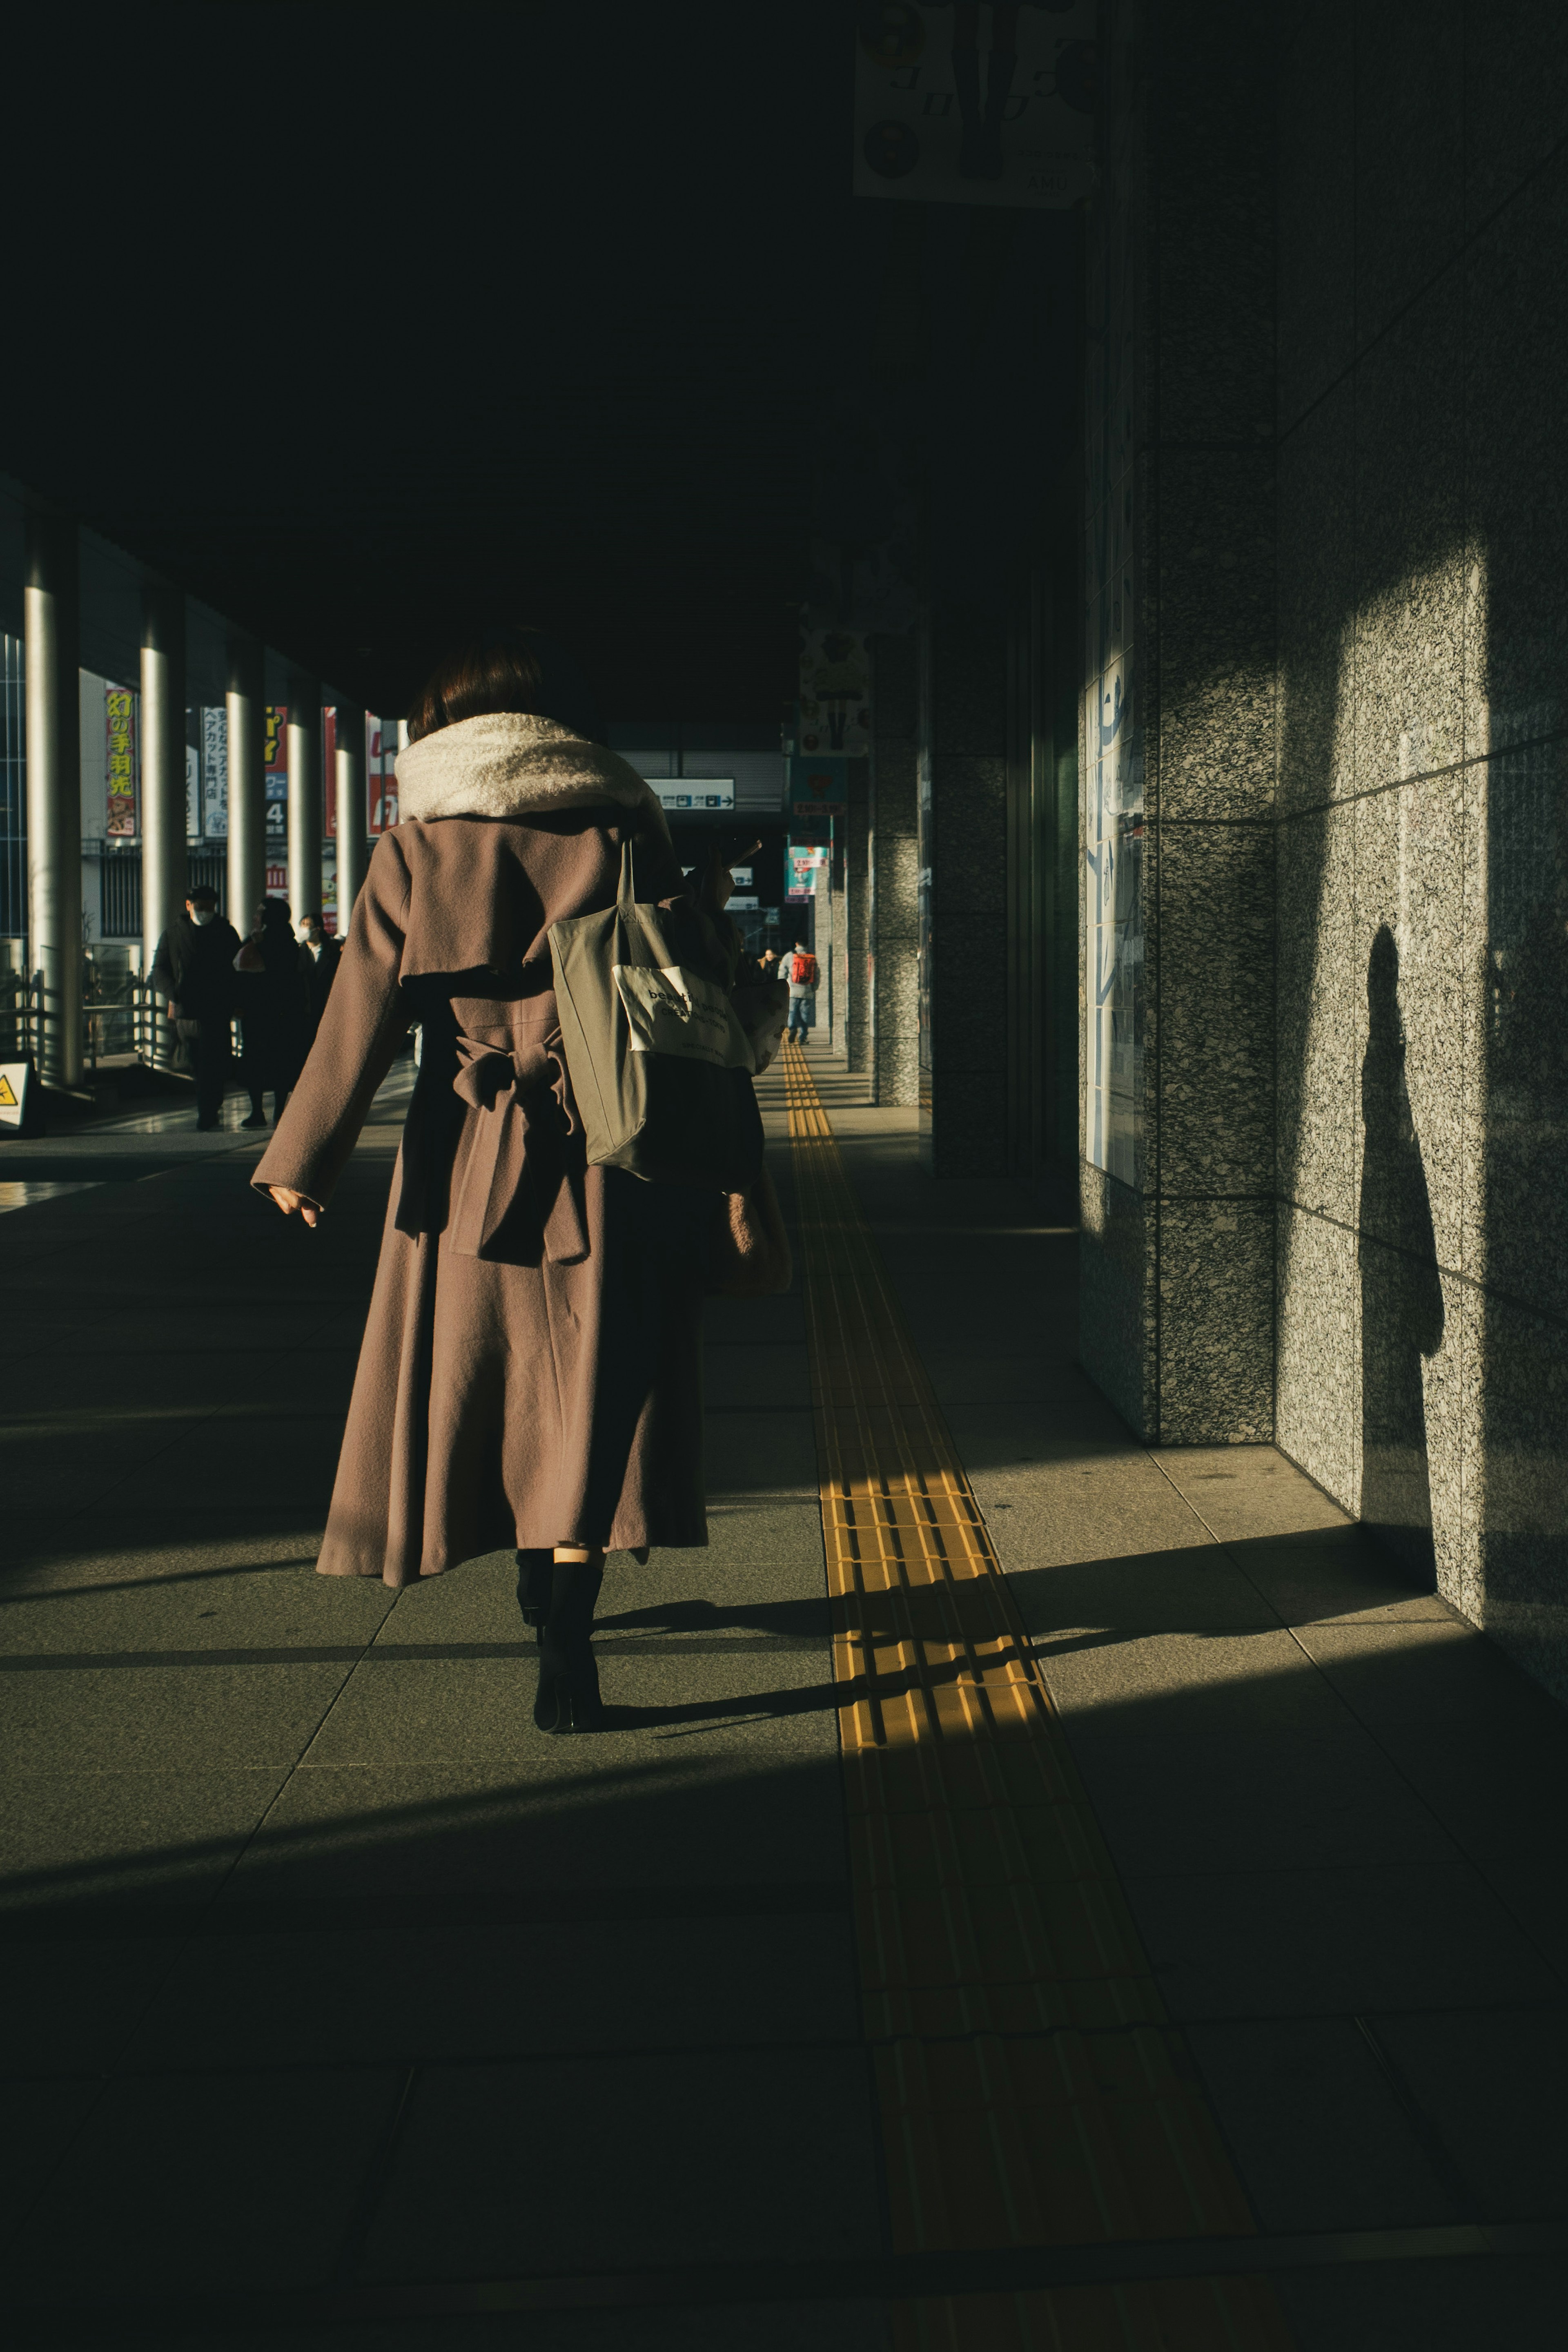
(366, 322)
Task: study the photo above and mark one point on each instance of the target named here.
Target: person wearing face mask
(325, 953)
(193, 968)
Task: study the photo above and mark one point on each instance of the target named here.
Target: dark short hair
(508, 668)
(275, 911)
(202, 894)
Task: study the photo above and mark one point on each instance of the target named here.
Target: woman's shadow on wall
(1401, 1292)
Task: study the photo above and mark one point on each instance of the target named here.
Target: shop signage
(275, 765)
(215, 771)
(803, 861)
(817, 787)
(120, 771)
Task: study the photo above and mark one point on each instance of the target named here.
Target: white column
(164, 865)
(353, 819)
(305, 823)
(245, 705)
(53, 789)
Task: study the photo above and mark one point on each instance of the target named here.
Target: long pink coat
(530, 1372)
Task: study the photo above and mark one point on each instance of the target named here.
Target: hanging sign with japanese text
(817, 787)
(120, 762)
(275, 763)
(215, 771)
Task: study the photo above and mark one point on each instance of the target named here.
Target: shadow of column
(1400, 1293)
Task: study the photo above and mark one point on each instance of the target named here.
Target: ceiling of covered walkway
(366, 323)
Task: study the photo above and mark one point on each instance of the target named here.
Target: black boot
(568, 1671)
(534, 1581)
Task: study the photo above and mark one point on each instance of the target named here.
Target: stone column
(353, 835)
(1178, 1179)
(855, 1023)
(893, 876)
(304, 795)
(163, 861)
(964, 850)
(53, 789)
(246, 706)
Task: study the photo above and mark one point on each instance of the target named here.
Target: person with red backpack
(799, 967)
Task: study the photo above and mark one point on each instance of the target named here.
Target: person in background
(325, 953)
(194, 969)
(799, 967)
(275, 1009)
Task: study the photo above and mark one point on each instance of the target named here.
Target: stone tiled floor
(326, 1976)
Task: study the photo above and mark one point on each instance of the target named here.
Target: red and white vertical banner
(380, 771)
(330, 769)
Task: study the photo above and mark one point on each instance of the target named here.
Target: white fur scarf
(509, 763)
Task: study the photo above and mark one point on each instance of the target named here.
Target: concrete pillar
(163, 865)
(353, 835)
(305, 820)
(246, 704)
(53, 789)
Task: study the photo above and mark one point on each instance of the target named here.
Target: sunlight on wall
(1381, 1046)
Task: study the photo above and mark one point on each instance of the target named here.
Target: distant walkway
(1090, 1883)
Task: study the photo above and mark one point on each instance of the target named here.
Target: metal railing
(124, 1019)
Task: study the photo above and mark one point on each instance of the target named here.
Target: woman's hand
(289, 1202)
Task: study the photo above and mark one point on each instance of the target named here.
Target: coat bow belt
(514, 1193)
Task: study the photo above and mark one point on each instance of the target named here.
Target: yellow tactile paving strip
(1032, 2089)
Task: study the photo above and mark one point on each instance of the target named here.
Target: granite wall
(892, 1006)
(1325, 757)
(1177, 752)
(1423, 839)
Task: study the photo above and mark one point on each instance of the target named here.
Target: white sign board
(684, 794)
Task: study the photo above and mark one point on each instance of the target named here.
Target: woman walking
(530, 1372)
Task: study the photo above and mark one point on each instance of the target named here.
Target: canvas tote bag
(659, 1064)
